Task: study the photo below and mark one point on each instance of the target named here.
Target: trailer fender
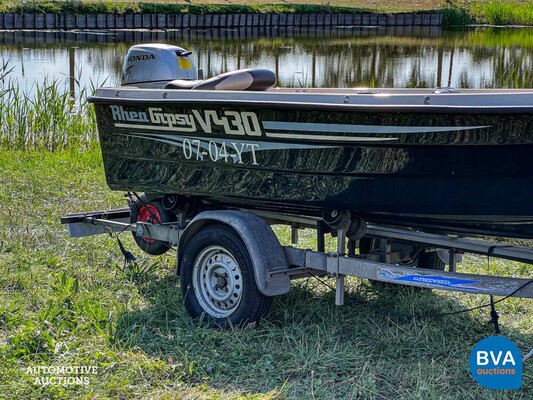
(265, 251)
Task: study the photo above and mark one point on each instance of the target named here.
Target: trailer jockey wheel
(217, 279)
(153, 213)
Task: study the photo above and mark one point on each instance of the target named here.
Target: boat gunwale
(368, 108)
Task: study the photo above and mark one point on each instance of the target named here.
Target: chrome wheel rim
(218, 283)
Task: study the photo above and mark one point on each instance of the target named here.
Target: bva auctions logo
(496, 363)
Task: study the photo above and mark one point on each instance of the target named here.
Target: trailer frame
(339, 264)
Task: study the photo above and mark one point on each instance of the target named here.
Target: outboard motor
(154, 65)
(164, 66)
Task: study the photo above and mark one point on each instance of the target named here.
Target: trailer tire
(155, 213)
(218, 281)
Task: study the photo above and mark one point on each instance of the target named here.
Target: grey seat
(243, 79)
(181, 84)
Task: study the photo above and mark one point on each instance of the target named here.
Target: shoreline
(19, 14)
(40, 21)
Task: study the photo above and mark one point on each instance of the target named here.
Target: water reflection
(345, 57)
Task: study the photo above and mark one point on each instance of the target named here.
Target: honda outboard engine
(157, 66)
(154, 65)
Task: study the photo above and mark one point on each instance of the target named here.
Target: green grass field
(73, 302)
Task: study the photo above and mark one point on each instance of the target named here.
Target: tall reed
(45, 116)
(497, 12)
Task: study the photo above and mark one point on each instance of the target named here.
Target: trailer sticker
(470, 285)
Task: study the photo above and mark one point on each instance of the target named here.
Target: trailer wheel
(153, 213)
(217, 279)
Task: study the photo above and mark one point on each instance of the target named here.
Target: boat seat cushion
(244, 79)
(181, 84)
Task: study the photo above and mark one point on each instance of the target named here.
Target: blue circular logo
(496, 363)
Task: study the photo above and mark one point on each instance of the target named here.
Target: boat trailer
(275, 265)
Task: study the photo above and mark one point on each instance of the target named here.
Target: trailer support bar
(339, 281)
(428, 278)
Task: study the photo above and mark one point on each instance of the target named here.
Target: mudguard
(265, 251)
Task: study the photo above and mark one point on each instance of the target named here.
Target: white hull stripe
(327, 138)
(204, 144)
(276, 135)
(263, 145)
(152, 127)
(309, 128)
(346, 128)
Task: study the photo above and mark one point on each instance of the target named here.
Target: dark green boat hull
(453, 171)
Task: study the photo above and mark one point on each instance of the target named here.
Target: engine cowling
(154, 65)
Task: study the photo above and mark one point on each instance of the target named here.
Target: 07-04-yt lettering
(195, 149)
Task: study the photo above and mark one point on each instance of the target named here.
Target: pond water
(339, 57)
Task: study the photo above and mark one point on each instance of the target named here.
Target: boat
(437, 160)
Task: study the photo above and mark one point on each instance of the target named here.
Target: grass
(214, 6)
(73, 302)
(494, 12)
(504, 12)
(456, 12)
(46, 116)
